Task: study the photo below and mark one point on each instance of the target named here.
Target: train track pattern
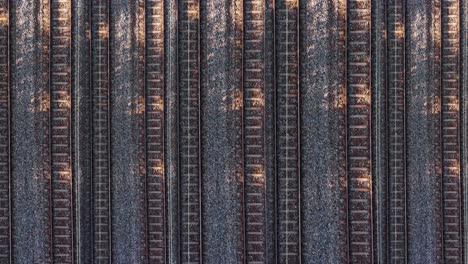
(254, 131)
(396, 127)
(60, 116)
(155, 130)
(43, 90)
(5, 180)
(451, 132)
(287, 131)
(359, 137)
(101, 132)
(189, 132)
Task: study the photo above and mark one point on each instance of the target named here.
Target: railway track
(189, 132)
(60, 130)
(287, 132)
(155, 188)
(359, 132)
(101, 201)
(397, 132)
(5, 175)
(464, 119)
(451, 132)
(254, 131)
(421, 212)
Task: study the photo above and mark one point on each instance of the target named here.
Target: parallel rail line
(284, 230)
(5, 175)
(287, 131)
(397, 131)
(190, 236)
(359, 132)
(155, 131)
(254, 131)
(60, 126)
(451, 132)
(101, 131)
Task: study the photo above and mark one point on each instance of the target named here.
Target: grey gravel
(170, 36)
(127, 136)
(82, 133)
(423, 132)
(30, 129)
(323, 132)
(221, 127)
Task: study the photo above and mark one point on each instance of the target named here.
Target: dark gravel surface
(379, 126)
(423, 132)
(323, 132)
(81, 136)
(127, 136)
(30, 114)
(170, 36)
(269, 130)
(221, 127)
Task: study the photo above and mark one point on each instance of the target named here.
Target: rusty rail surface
(60, 122)
(397, 131)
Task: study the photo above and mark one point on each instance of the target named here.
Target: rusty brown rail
(60, 122)
(397, 131)
(254, 131)
(189, 132)
(156, 194)
(5, 175)
(359, 132)
(451, 131)
(101, 132)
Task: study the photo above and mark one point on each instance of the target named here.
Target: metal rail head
(359, 131)
(5, 180)
(287, 131)
(155, 188)
(396, 126)
(101, 138)
(60, 126)
(189, 131)
(451, 131)
(254, 131)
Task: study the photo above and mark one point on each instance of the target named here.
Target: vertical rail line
(60, 129)
(397, 131)
(380, 133)
(359, 131)
(156, 193)
(81, 130)
(451, 131)
(344, 188)
(287, 131)
(171, 128)
(5, 175)
(101, 131)
(464, 120)
(254, 130)
(189, 131)
(270, 131)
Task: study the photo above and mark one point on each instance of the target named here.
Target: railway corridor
(233, 131)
